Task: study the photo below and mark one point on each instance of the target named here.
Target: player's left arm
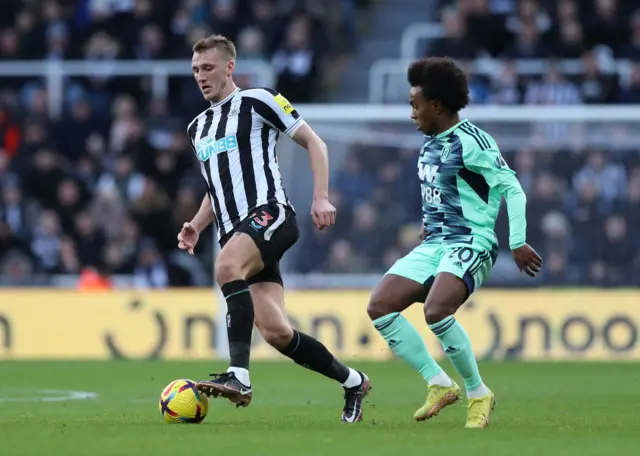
(279, 113)
(490, 164)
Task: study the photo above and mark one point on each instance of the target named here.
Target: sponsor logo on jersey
(284, 104)
(208, 147)
(427, 172)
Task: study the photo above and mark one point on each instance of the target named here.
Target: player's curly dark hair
(440, 79)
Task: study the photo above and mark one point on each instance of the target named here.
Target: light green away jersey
(463, 177)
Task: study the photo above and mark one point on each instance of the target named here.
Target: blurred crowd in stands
(582, 214)
(597, 33)
(583, 204)
(108, 184)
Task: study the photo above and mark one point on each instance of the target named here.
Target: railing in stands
(54, 73)
(387, 77)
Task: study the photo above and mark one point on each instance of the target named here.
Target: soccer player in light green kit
(463, 177)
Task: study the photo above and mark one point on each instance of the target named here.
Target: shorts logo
(208, 147)
(284, 104)
(260, 221)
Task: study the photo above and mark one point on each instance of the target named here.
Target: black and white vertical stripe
(242, 179)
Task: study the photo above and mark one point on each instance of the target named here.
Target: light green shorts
(472, 264)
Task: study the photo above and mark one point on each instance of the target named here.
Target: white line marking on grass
(48, 395)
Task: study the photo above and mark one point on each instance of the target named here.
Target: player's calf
(447, 294)
(238, 259)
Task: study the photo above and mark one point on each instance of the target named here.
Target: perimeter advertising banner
(531, 325)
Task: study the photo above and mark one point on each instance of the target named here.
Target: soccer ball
(181, 402)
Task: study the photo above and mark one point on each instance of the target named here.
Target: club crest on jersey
(445, 154)
(235, 110)
(208, 147)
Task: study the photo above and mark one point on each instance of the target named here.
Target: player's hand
(188, 238)
(422, 234)
(527, 260)
(323, 213)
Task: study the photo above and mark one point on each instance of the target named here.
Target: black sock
(239, 321)
(310, 353)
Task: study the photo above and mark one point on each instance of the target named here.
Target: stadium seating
(109, 182)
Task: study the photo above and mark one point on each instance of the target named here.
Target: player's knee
(227, 270)
(436, 310)
(378, 307)
(278, 336)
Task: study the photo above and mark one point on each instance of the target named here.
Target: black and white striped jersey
(235, 142)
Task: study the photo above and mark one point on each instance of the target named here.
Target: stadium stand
(108, 184)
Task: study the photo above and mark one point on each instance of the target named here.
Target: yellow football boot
(438, 397)
(479, 410)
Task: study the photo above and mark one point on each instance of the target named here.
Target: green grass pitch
(543, 409)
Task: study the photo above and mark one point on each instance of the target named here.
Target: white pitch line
(51, 395)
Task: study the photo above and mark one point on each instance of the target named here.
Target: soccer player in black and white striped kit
(235, 142)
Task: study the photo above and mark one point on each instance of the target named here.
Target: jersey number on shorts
(260, 221)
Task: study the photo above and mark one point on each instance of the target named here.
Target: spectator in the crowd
(43, 177)
(527, 44)
(224, 19)
(296, 62)
(69, 202)
(478, 89)
(46, 242)
(151, 270)
(263, 17)
(529, 12)
(89, 239)
(124, 179)
(614, 252)
(631, 49)
(631, 93)
(553, 89)
(567, 10)
(609, 177)
(506, 88)
(18, 215)
(595, 86)
(604, 25)
(251, 44)
(10, 45)
(343, 260)
(455, 43)
(570, 40)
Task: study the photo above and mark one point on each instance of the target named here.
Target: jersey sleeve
(276, 111)
(490, 165)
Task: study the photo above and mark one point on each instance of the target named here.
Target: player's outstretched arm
(322, 211)
(524, 255)
(490, 164)
(190, 232)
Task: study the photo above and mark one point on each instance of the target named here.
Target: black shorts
(274, 229)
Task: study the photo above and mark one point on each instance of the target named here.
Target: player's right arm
(190, 232)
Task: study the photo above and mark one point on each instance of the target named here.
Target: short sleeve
(275, 110)
(488, 163)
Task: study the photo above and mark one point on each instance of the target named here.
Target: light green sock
(405, 341)
(457, 347)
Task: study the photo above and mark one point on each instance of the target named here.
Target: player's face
(422, 111)
(212, 70)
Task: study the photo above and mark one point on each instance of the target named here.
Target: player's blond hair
(219, 42)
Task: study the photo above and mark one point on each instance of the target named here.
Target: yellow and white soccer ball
(181, 402)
